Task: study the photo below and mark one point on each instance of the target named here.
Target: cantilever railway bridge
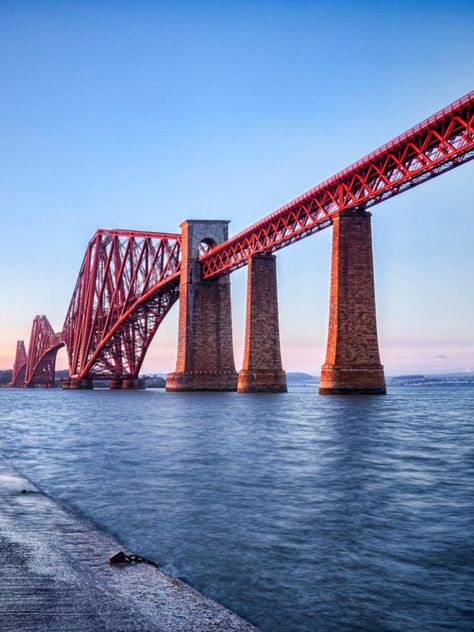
(129, 280)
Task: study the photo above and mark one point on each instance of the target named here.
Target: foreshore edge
(55, 575)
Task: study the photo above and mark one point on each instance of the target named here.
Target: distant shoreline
(299, 379)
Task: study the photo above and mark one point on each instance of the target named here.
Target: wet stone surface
(54, 576)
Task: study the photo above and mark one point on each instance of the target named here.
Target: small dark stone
(118, 559)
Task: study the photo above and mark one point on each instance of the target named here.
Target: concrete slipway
(55, 576)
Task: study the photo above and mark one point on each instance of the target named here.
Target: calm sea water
(299, 512)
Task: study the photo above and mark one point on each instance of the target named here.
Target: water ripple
(300, 512)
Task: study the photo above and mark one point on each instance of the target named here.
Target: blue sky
(141, 114)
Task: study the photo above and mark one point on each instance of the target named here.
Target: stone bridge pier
(262, 370)
(205, 359)
(127, 384)
(352, 360)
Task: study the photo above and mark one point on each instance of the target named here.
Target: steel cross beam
(438, 144)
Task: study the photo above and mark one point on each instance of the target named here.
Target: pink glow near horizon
(396, 359)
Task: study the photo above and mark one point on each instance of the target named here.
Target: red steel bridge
(129, 280)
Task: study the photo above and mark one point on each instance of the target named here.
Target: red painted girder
(19, 367)
(126, 285)
(146, 314)
(138, 234)
(441, 142)
(42, 350)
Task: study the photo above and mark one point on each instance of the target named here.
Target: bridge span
(129, 280)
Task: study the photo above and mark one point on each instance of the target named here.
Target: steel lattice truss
(127, 283)
(19, 367)
(42, 350)
(441, 142)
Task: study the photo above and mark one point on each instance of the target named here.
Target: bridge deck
(54, 576)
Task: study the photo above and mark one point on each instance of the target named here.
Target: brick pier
(78, 384)
(127, 384)
(352, 361)
(205, 359)
(262, 370)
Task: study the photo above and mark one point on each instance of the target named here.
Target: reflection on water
(300, 512)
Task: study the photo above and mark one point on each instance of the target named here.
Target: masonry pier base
(262, 370)
(127, 384)
(352, 361)
(352, 382)
(77, 384)
(202, 381)
(262, 381)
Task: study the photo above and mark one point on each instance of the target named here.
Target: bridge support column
(133, 384)
(352, 360)
(205, 359)
(262, 371)
(126, 384)
(78, 384)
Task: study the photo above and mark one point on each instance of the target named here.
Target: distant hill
(301, 378)
(439, 379)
